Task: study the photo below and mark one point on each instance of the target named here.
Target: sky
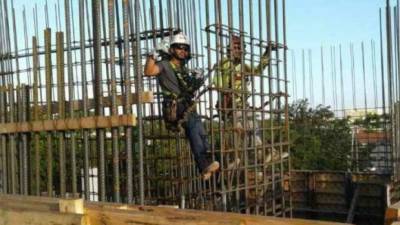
(310, 25)
(335, 24)
(309, 22)
(315, 22)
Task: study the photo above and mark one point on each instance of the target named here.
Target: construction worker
(231, 79)
(178, 86)
(232, 66)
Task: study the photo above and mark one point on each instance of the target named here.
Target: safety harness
(178, 92)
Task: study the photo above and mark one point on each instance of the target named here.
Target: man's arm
(264, 62)
(151, 68)
(216, 78)
(219, 80)
(265, 58)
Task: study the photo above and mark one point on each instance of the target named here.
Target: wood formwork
(339, 196)
(24, 210)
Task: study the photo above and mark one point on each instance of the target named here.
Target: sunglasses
(182, 47)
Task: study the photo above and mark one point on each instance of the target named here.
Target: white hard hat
(180, 39)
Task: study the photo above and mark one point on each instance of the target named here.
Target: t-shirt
(168, 80)
(225, 68)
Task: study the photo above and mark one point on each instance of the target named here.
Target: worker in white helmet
(178, 86)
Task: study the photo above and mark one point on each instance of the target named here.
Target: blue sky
(310, 24)
(315, 22)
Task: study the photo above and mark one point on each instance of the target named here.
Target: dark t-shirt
(170, 84)
(167, 79)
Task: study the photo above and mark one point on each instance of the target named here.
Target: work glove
(198, 78)
(163, 46)
(198, 74)
(194, 79)
(274, 47)
(161, 50)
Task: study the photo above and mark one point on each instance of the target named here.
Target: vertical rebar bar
(36, 112)
(127, 18)
(138, 71)
(353, 76)
(322, 75)
(364, 77)
(341, 80)
(98, 96)
(61, 109)
(25, 140)
(389, 59)
(86, 146)
(49, 142)
(115, 150)
(383, 81)
(310, 72)
(12, 147)
(4, 161)
(71, 94)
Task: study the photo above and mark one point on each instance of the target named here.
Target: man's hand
(275, 46)
(199, 77)
(155, 55)
(198, 74)
(164, 45)
(195, 80)
(161, 49)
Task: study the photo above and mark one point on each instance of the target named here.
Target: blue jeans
(197, 136)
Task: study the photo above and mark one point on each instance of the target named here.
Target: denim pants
(197, 137)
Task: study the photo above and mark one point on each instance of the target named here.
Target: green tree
(319, 140)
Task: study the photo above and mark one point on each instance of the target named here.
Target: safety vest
(226, 68)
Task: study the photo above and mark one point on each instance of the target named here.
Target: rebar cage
(79, 118)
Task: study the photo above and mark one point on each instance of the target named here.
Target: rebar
(103, 118)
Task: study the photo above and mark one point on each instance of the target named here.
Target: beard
(178, 56)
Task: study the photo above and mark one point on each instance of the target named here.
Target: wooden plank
(106, 214)
(97, 213)
(71, 206)
(29, 202)
(10, 216)
(36, 127)
(329, 177)
(370, 178)
(29, 205)
(327, 187)
(93, 122)
(73, 124)
(47, 124)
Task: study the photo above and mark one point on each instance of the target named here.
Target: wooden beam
(113, 214)
(96, 213)
(71, 206)
(93, 122)
(35, 217)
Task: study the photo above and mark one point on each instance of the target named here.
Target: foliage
(372, 121)
(319, 141)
